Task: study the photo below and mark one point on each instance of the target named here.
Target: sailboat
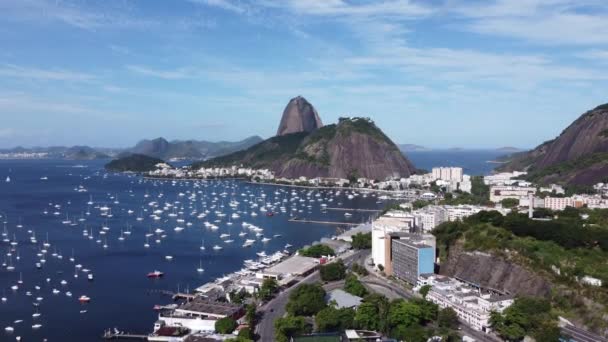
(8, 179)
(200, 268)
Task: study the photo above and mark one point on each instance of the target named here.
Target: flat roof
(296, 264)
(343, 299)
(208, 307)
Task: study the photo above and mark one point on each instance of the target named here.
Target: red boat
(155, 274)
(84, 299)
(270, 214)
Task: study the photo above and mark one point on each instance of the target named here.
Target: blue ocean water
(473, 162)
(121, 293)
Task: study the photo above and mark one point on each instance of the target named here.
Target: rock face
(299, 116)
(353, 147)
(494, 272)
(576, 156)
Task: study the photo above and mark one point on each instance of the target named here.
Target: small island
(135, 163)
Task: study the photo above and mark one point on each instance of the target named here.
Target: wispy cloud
(549, 22)
(15, 71)
(169, 74)
(223, 4)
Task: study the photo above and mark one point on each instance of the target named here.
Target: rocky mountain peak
(299, 116)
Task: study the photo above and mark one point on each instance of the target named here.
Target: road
(275, 308)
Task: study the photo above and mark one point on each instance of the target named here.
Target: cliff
(494, 272)
(578, 156)
(299, 116)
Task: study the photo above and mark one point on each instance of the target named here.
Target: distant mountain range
(578, 156)
(157, 148)
(352, 147)
(189, 149)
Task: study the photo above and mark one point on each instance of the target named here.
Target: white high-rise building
(447, 173)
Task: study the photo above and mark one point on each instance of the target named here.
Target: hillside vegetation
(562, 251)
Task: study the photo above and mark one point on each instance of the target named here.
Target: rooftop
(204, 306)
(343, 299)
(296, 264)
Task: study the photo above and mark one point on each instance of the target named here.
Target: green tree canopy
(331, 319)
(268, 289)
(306, 300)
(448, 318)
(353, 286)
(362, 241)
(290, 326)
(225, 325)
(333, 271)
(317, 251)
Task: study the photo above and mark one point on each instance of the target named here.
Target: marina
(81, 243)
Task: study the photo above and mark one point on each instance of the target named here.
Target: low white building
(501, 192)
(471, 306)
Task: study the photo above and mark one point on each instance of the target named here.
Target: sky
(438, 73)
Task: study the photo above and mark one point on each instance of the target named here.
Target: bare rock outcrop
(299, 116)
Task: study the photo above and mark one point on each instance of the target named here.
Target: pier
(119, 335)
(355, 209)
(331, 223)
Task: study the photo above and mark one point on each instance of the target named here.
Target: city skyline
(470, 74)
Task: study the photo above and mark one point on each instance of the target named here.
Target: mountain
(190, 149)
(352, 147)
(83, 153)
(299, 116)
(412, 148)
(508, 149)
(578, 156)
(133, 163)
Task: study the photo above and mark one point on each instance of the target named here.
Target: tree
(238, 297)
(353, 286)
(424, 290)
(526, 316)
(410, 333)
(372, 313)
(448, 319)
(406, 313)
(360, 270)
(225, 325)
(331, 319)
(306, 300)
(362, 241)
(268, 289)
(509, 202)
(287, 327)
(333, 271)
(317, 251)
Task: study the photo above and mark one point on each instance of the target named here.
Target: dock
(355, 209)
(119, 335)
(331, 223)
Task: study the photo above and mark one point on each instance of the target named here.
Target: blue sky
(439, 73)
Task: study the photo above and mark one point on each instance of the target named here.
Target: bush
(448, 319)
(353, 286)
(333, 271)
(225, 325)
(360, 270)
